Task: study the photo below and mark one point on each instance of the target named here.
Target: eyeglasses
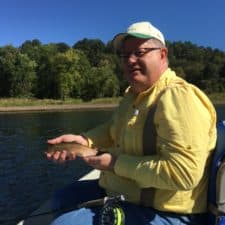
(137, 53)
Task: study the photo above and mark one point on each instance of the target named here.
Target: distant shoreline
(66, 107)
(26, 105)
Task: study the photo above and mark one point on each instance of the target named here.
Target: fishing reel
(112, 213)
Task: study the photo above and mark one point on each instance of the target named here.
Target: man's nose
(131, 58)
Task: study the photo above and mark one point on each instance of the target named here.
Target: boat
(40, 217)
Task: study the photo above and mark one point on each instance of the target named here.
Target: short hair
(157, 42)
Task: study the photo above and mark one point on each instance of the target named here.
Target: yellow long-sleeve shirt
(185, 122)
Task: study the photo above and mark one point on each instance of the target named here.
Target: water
(26, 177)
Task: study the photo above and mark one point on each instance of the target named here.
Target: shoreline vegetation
(39, 105)
(8, 105)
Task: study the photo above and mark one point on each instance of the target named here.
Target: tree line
(90, 69)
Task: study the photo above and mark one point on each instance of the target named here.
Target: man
(156, 147)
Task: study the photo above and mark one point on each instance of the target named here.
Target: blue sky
(200, 21)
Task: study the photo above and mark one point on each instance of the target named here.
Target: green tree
(104, 83)
(69, 69)
(32, 49)
(67, 74)
(17, 73)
(180, 71)
(45, 77)
(222, 71)
(194, 72)
(211, 71)
(83, 68)
(62, 47)
(109, 48)
(92, 69)
(93, 49)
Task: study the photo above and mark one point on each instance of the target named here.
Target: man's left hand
(105, 161)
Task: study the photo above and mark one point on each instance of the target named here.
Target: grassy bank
(9, 102)
(217, 98)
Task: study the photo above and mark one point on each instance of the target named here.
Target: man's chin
(135, 88)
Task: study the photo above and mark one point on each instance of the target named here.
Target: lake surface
(26, 177)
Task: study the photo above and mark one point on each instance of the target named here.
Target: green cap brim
(138, 35)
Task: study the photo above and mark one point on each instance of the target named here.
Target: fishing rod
(110, 214)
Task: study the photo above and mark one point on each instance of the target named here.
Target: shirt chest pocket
(132, 135)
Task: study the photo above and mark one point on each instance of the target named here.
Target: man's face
(142, 63)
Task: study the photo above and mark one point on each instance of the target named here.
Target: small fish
(72, 148)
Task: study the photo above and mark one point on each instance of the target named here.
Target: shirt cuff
(126, 166)
(89, 141)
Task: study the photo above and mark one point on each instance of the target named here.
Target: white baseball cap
(143, 30)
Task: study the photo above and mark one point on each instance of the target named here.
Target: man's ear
(164, 53)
